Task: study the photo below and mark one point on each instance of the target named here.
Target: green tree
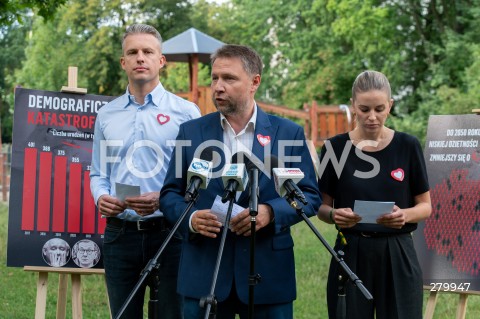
(313, 49)
(15, 10)
(12, 42)
(87, 34)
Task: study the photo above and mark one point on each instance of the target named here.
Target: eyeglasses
(88, 251)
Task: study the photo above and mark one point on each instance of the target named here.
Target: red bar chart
(49, 190)
(56, 195)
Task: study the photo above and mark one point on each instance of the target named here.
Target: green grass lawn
(18, 288)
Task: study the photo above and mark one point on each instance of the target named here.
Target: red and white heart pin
(398, 174)
(263, 140)
(162, 118)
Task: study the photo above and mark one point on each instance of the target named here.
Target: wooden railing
(319, 121)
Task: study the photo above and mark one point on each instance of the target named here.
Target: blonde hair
(371, 80)
(142, 28)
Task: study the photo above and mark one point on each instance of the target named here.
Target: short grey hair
(371, 80)
(139, 28)
(251, 60)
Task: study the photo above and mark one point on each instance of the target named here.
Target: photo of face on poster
(86, 253)
(56, 252)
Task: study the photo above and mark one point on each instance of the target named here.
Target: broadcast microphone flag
(199, 175)
(234, 177)
(282, 175)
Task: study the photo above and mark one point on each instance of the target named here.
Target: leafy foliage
(312, 49)
(15, 10)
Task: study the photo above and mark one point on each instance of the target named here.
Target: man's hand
(145, 204)
(241, 224)
(110, 206)
(205, 223)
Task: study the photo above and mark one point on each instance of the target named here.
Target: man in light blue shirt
(130, 147)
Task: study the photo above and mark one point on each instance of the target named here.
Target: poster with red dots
(448, 243)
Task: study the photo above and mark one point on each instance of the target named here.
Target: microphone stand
(210, 301)
(253, 278)
(151, 269)
(338, 257)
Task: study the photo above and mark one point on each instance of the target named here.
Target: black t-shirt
(396, 173)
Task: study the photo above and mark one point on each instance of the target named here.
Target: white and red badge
(263, 140)
(163, 119)
(398, 174)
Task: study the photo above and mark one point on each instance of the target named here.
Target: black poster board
(52, 215)
(448, 243)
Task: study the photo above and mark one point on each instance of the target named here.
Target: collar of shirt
(243, 141)
(153, 97)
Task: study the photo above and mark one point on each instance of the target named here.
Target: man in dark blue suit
(239, 125)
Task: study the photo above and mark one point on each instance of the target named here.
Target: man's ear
(122, 62)
(163, 61)
(257, 79)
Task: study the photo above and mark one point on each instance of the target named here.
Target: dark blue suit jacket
(274, 259)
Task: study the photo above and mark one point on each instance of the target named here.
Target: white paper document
(220, 209)
(371, 210)
(124, 190)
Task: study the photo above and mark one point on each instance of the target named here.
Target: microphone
(199, 174)
(253, 172)
(234, 177)
(286, 180)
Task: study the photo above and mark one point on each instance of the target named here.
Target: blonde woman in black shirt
(375, 163)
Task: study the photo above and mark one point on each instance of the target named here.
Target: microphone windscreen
(236, 158)
(207, 154)
(235, 171)
(202, 169)
(251, 165)
(250, 160)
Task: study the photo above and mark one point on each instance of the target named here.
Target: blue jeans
(126, 252)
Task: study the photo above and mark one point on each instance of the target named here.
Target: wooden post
(3, 167)
(72, 82)
(461, 304)
(193, 67)
(77, 295)
(41, 303)
(5, 183)
(314, 123)
(431, 303)
(62, 295)
(42, 286)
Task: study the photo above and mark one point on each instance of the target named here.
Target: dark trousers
(126, 252)
(389, 269)
(228, 308)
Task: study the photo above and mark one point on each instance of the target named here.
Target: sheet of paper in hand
(371, 210)
(220, 209)
(124, 190)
